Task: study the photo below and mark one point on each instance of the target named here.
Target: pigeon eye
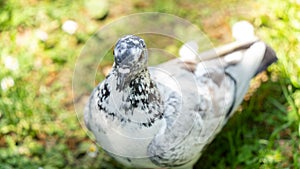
(143, 43)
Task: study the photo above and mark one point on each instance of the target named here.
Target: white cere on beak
(124, 70)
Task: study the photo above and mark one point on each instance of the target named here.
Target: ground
(39, 127)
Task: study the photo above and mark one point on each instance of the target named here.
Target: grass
(38, 125)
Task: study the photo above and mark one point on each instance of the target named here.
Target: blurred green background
(39, 43)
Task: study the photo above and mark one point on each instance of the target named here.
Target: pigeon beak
(123, 78)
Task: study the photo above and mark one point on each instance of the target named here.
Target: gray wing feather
(193, 116)
(210, 94)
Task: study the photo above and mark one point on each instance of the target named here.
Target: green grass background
(38, 125)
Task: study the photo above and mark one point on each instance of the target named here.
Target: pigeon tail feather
(269, 58)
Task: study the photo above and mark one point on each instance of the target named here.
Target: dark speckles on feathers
(105, 92)
(128, 159)
(141, 97)
(103, 95)
(144, 96)
(141, 93)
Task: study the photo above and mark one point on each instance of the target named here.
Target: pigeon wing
(209, 92)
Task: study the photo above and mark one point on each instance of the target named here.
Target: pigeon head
(130, 58)
(130, 51)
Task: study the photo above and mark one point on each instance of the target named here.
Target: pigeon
(165, 116)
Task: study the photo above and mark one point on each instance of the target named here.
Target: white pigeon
(164, 116)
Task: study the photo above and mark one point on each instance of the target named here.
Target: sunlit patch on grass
(92, 151)
(271, 157)
(41, 35)
(11, 63)
(70, 27)
(7, 82)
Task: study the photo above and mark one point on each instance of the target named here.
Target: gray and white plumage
(165, 116)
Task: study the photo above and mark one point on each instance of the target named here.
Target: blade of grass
(277, 104)
(288, 95)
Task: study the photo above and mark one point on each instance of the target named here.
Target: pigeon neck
(141, 101)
